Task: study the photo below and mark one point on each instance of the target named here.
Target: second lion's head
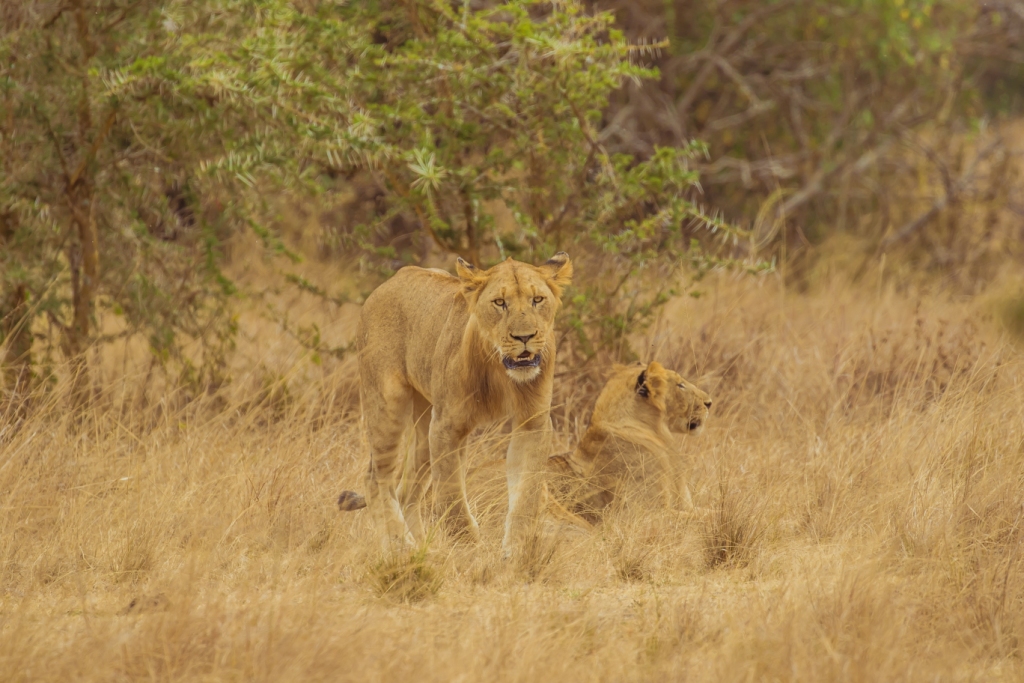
(514, 305)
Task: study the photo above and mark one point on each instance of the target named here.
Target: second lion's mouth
(694, 425)
(524, 360)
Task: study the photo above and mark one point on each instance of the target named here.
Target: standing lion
(448, 354)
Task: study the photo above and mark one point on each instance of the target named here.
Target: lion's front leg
(525, 471)
(385, 416)
(417, 474)
(448, 472)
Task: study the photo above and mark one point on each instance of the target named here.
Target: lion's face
(514, 306)
(684, 406)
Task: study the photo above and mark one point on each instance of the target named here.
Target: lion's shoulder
(414, 289)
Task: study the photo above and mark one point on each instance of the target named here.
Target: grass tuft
(405, 578)
(732, 530)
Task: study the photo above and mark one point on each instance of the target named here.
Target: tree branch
(952, 194)
(93, 148)
(684, 103)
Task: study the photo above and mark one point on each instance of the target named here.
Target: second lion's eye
(499, 302)
(537, 300)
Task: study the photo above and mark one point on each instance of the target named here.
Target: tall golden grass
(859, 515)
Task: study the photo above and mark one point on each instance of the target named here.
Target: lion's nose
(707, 403)
(525, 337)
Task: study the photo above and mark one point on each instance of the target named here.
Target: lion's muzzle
(523, 361)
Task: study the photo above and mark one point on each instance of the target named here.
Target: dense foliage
(137, 137)
(97, 209)
(459, 116)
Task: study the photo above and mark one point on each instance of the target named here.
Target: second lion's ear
(652, 384)
(641, 385)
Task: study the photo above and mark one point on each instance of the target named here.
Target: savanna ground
(859, 515)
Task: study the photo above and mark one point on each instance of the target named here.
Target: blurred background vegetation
(143, 141)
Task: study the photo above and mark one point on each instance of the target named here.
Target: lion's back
(404, 320)
(412, 297)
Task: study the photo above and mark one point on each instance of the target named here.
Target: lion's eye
(499, 302)
(537, 300)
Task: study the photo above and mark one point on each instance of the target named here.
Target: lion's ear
(652, 384)
(472, 278)
(641, 385)
(557, 271)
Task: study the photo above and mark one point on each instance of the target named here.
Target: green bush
(460, 115)
(99, 209)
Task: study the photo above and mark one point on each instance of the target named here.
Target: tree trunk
(83, 259)
(17, 359)
(83, 253)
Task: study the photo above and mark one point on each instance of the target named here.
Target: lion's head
(686, 406)
(514, 306)
(651, 395)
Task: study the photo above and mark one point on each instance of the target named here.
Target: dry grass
(859, 515)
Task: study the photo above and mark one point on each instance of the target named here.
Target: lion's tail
(349, 501)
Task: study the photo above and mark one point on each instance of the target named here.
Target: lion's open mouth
(695, 424)
(524, 360)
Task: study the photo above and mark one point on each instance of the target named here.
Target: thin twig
(689, 97)
(952, 193)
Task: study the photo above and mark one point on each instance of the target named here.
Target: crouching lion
(447, 354)
(629, 443)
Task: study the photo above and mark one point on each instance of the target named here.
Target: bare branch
(93, 148)
(56, 15)
(951, 195)
(739, 119)
(684, 103)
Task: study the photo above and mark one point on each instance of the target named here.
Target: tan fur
(629, 437)
(434, 352)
